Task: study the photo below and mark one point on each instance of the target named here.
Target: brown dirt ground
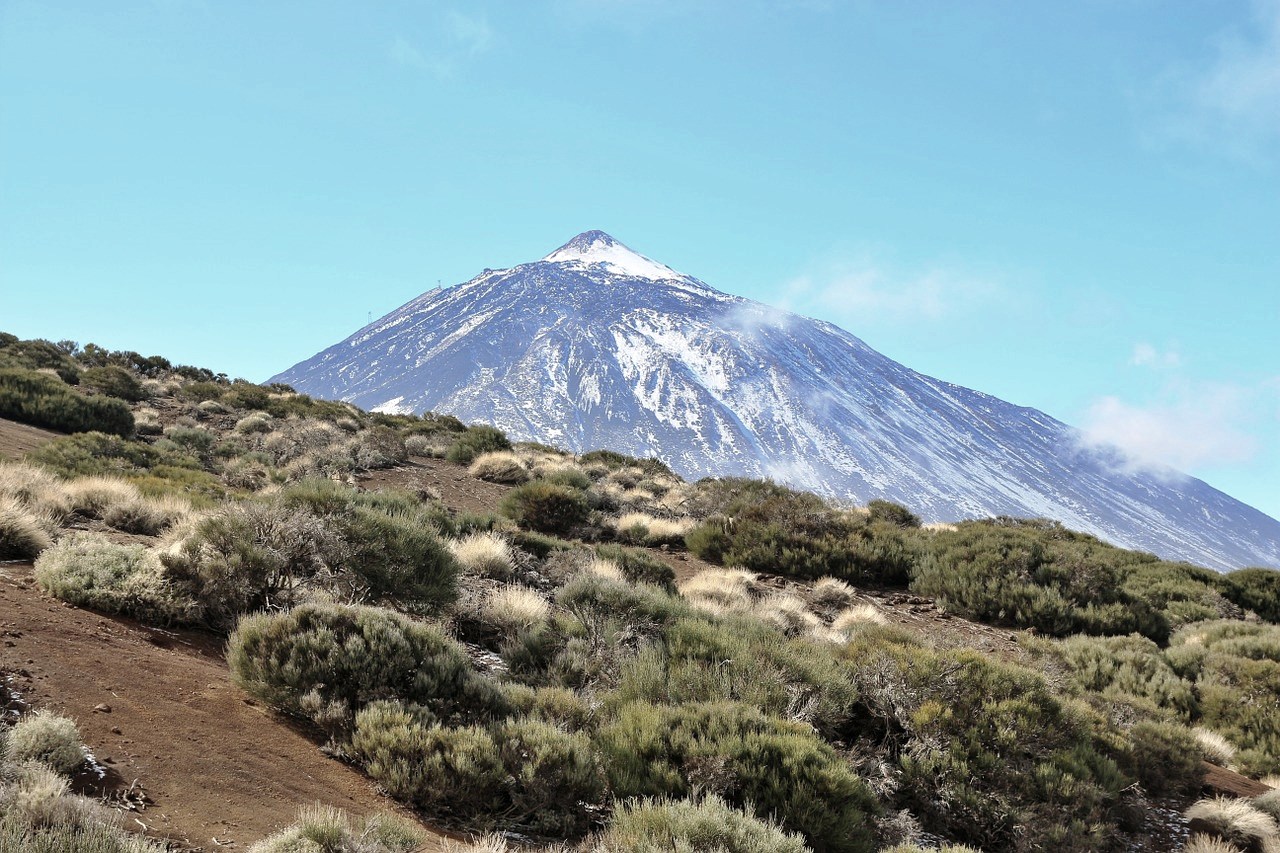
(16, 439)
(221, 772)
(439, 478)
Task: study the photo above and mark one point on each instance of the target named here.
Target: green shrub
(94, 453)
(684, 826)
(114, 382)
(127, 579)
(476, 441)
(556, 779)
(1029, 576)
(340, 658)
(743, 660)
(48, 738)
(389, 540)
(42, 400)
(447, 772)
(988, 755)
(546, 507)
(776, 768)
(892, 513)
(639, 567)
(1132, 666)
(248, 556)
(1254, 589)
(1164, 758)
(772, 529)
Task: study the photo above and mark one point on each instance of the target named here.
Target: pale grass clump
(93, 496)
(48, 738)
(33, 796)
(322, 828)
(721, 590)
(600, 567)
(1236, 821)
(212, 407)
(853, 618)
(831, 594)
(485, 554)
(148, 516)
(514, 608)
(499, 466)
(493, 842)
(24, 533)
(645, 528)
(35, 488)
(788, 613)
(255, 422)
(554, 466)
(1217, 749)
(1201, 843)
(940, 527)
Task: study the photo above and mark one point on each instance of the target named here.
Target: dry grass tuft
(1201, 843)
(1234, 820)
(23, 532)
(499, 466)
(641, 527)
(1217, 749)
(721, 590)
(485, 554)
(514, 608)
(831, 594)
(93, 496)
(788, 613)
(34, 487)
(601, 567)
(852, 618)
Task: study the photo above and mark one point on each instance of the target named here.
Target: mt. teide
(595, 346)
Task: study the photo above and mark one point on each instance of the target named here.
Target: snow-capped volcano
(597, 346)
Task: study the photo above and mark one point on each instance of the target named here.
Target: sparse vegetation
(585, 692)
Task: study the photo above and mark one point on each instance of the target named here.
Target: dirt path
(221, 772)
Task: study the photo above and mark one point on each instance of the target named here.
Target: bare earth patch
(220, 771)
(17, 440)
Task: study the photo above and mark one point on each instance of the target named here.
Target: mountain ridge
(716, 384)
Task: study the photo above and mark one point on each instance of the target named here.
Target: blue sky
(1072, 206)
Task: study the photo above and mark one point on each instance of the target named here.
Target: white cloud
(1190, 427)
(853, 292)
(1231, 103)
(1146, 355)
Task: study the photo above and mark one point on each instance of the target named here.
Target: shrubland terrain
(286, 603)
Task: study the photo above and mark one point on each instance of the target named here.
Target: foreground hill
(596, 346)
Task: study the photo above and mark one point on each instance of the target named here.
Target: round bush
(48, 738)
(128, 579)
(780, 768)
(476, 441)
(346, 656)
(682, 826)
(546, 507)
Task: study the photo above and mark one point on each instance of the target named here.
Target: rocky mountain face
(596, 346)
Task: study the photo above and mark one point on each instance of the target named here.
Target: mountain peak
(591, 248)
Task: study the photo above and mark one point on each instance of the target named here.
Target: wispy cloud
(1146, 355)
(1232, 102)
(1206, 425)
(866, 290)
(455, 39)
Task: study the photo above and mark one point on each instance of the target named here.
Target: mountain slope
(596, 346)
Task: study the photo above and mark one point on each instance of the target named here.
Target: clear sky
(1072, 206)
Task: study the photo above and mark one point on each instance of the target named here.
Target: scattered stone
(102, 708)
(115, 730)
